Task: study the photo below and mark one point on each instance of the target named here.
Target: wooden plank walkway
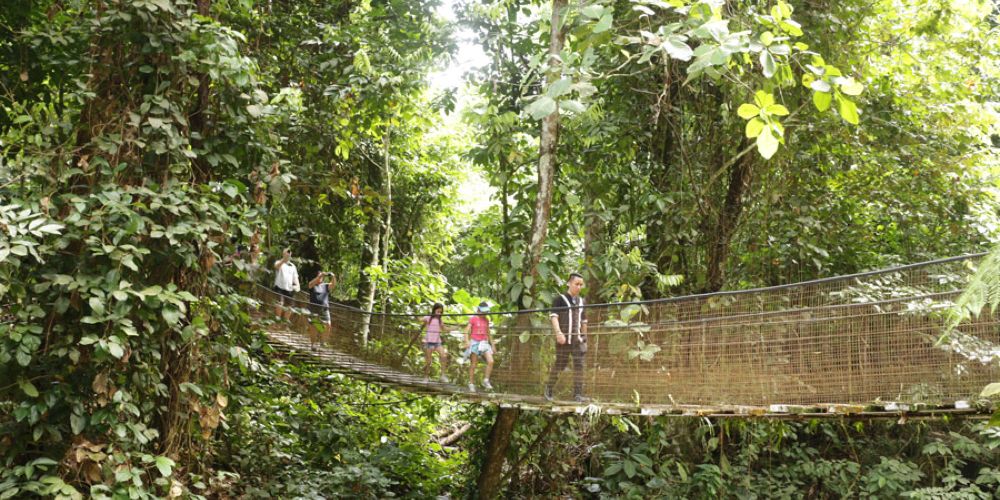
(297, 345)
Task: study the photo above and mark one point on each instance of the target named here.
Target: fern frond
(983, 290)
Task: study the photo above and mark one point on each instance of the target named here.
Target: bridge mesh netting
(846, 340)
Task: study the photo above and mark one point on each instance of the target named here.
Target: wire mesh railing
(871, 337)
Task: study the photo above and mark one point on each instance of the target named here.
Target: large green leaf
(767, 144)
(541, 107)
(847, 109)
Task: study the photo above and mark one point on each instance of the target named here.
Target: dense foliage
(697, 145)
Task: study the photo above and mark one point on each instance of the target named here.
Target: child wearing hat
(478, 343)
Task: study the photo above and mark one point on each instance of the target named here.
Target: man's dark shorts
(320, 311)
(285, 298)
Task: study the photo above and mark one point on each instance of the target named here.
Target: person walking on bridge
(286, 283)
(319, 298)
(569, 324)
(478, 343)
(433, 327)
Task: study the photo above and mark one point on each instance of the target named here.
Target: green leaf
(850, 86)
(791, 27)
(559, 87)
(115, 349)
(847, 109)
(780, 49)
(572, 105)
(748, 111)
(51, 228)
(763, 99)
(28, 388)
(96, 305)
(766, 38)
(593, 11)
(629, 312)
(767, 144)
(820, 85)
(990, 390)
(767, 62)
(822, 100)
(171, 316)
(188, 386)
(604, 24)
(716, 29)
(164, 465)
(629, 467)
(754, 127)
(676, 47)
(77, 422)
(995, 420)
(62, 279)
(542, 107)
(777, 110)
(515, 291)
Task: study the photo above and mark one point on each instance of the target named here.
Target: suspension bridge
(864, 345)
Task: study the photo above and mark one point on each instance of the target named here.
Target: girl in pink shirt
(478, 343)
(433, 327)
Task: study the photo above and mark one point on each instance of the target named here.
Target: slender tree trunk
(387, 229)
(718, 251)
(197, 119)
(380, 231)
(507, 172)
(387, 193)
(491, 475)
(547, 152)
(546, 181)
(593, 246)
(663, 152)
(368, 300)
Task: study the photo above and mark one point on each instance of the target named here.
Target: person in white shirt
(286, 283)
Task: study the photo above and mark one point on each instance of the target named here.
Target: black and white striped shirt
(571, 316)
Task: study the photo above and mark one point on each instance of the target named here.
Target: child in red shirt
(478, 343)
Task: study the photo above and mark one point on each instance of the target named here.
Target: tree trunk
(664, 153)
(507, 173)
(593, 246)
(379, 232)
(368, 299)
(491, 474)
(547, 152)
(718, 250)
(387, 193)
(387, 228)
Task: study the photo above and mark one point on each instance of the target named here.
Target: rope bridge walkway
(863, 345)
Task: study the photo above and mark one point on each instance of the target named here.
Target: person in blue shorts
(433, 343)
(478, 343)
(319, 297)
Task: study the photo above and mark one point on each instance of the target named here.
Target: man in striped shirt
(569, 323)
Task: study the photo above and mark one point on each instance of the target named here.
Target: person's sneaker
(548, 393)
(444, 379)
(472, 387)
(580, 398)
(487, 385)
